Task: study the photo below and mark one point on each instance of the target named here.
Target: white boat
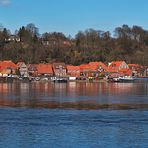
(116, 79)
(122, 79)
(126, 79)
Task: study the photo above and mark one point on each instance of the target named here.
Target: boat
(60, 80)
(116, 79)
(122, 79)
(126, 79)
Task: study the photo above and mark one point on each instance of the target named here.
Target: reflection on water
(74, 95)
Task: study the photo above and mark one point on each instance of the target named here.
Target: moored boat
(122, 79)
(59, 80)
(126, 79)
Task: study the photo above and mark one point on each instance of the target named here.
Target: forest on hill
(27, 44)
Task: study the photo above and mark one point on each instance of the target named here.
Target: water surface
(75, 95)
(73, 128)
(74, 115)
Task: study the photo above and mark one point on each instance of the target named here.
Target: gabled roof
(19, 64)
(96, 65)
(115, 67)
(44, 69)
(7, 64)
(115, 64)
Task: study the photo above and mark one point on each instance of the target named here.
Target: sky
(71, 16)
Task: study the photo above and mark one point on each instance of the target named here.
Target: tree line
(27, 44)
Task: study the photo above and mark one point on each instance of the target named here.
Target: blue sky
(71, 16)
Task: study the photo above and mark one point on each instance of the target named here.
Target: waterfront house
(97, 68)
(119, 67)
(7, 68)
(22, 69)
(116, 66)
(73, 71)
(137, 69)
(32, 69)
(59, 69)
(84, 70)
(44, 70)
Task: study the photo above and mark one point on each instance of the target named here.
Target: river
(74, 114)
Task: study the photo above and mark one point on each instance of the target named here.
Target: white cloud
(4, 2)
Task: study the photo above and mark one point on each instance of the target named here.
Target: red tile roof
(114, 67)
(44, 69)
(71, 67)
(7, 64)
(112, 70)
(96, 65)
(115, 64)
(84, 67)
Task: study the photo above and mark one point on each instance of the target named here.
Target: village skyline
(129, 44)
(93, 70)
